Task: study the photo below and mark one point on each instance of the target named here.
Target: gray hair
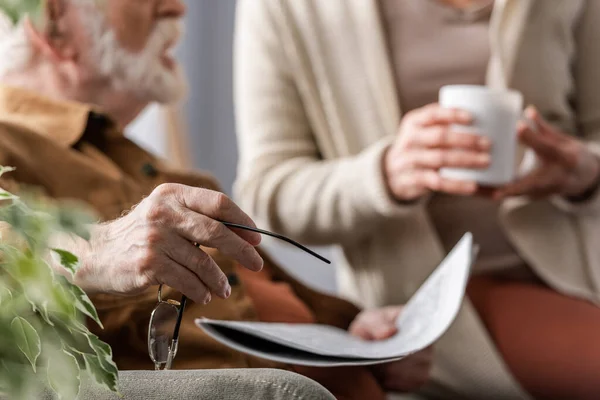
(16, 50)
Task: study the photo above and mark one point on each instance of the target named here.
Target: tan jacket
(316, 109)
(67, 154)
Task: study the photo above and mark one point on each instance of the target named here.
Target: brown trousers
(550, 342)
(276, 302)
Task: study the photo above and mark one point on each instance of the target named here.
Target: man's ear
(52, 37)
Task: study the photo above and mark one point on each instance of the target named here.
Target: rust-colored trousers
(550, 342)
(276, 302)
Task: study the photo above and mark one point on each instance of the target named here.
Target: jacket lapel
(370, 32)
(507, 26)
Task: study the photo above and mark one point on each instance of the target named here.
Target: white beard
(143, 74)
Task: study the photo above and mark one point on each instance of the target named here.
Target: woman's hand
(406, 375)
(427, 142)
(565, 165)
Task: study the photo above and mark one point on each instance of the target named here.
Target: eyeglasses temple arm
(175, 341)
(280, 237)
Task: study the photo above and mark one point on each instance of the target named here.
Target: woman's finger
(538, 183)
(546, 147)
(446, 137)
(543, 126)
(434, 182)
(439, 158)
(434, 114)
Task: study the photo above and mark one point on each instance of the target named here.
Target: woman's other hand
(565, 165)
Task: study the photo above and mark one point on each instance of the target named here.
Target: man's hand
(154, 245)
(565, 166)
(402, 376)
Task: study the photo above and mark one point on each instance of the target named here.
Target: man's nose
(171, 9)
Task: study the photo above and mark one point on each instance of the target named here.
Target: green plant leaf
(68, 260)
(83, 303)
(28, 340)
(16, 9)
(34, 226)
(77, 354)
(104, 353)
(102, 377)
(5, 294)
(4, 170)
(64, 300)
(4, 195)
(14, 378)
(44, 313)
(54, 332)
(77, 342)
(36, 280)
(63, 375)
(10, 253)
(75, 219)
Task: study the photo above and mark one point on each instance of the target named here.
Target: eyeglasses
(165, 320)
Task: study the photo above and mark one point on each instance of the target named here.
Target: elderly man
(71, 83)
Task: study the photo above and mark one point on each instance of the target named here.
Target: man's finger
(248, 236)
(183, 280)
(210, 233)
(219, 207)
(201, 264)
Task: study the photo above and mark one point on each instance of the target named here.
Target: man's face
(130, 46)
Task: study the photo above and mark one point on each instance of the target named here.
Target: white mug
(496, 114)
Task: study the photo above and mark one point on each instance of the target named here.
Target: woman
(341, 143)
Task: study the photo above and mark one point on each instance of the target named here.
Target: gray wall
(206, 54)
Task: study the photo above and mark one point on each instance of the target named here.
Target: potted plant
(45, 344)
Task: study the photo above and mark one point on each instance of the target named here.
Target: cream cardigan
(316, 109)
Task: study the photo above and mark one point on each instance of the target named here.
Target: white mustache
(166, 33)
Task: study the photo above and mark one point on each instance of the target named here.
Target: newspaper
(425, 318)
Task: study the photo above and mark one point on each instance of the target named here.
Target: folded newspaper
(425, 318)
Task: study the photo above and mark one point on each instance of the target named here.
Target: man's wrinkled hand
(153, 245)
(407, 375)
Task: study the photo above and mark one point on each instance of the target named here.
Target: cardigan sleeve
(282, 180)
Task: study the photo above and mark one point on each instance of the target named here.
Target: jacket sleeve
(282, 180)
(586, 73)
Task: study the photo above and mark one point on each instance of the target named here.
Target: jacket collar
(62, 121)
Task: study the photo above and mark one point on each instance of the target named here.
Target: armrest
(239, 384)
